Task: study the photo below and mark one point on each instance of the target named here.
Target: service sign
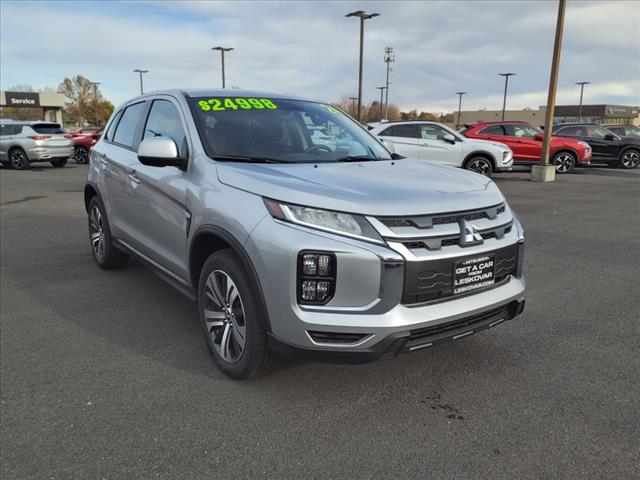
(22, 99)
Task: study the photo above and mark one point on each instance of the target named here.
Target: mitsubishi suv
(436, 142)
(22, 143)
(294, 245)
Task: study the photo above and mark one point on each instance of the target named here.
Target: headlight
(584, 145)
(506, 154)
(347, 224)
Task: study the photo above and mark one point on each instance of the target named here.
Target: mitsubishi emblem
(469, 234)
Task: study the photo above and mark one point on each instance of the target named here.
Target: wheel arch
(90, 191)
(480, 153)
(625, 149)
(566, 150)
(209, 239)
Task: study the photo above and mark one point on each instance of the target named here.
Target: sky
(311, 49)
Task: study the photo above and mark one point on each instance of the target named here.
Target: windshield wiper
(248, 159)
(356, 158)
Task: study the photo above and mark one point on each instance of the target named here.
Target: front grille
(336, 337)
(435, 243)
(432, 280)
(428, 221)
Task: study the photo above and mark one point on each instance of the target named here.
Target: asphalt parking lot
(106, 374)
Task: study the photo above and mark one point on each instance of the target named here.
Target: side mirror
(159, 152)
(610, 136)
(447, 137)
(539, 136)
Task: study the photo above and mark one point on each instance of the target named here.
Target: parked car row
(25, 142)
(487, 147)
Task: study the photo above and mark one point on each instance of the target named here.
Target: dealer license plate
(474, 273)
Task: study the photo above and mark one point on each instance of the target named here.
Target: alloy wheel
(631, 159)
(225, 317)
(96, 233)
(17, 159)
(480, 166)
(82, 155)
(564, 163)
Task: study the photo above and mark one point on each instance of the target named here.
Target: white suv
(438, 143)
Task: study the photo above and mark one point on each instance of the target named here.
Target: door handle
(133, 177)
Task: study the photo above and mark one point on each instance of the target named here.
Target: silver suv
(22, 143)
(321, 247)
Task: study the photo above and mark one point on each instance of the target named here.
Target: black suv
(606, 146)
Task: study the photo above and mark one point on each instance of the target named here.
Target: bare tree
(83, 100)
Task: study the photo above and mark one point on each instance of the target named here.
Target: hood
(380, 188)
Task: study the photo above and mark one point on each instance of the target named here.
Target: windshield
(291, 131)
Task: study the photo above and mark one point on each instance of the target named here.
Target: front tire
(565, 162)
(81, 155)
(630, 158)
(59, 163)
(233, 318)
(18, 159)
(480, 165)
(105, 254)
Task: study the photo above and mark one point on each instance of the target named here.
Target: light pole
(389, 57)
(95, 101)
(382, 89)
(506, 82)
(459, 106)
(141, 72)
(222, 50)
(363, 16)
(547, 172)
(582, 84)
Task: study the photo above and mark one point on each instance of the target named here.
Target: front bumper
(404, 341)
(369, 297)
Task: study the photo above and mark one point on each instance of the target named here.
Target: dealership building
(604, 114)
(32, 106)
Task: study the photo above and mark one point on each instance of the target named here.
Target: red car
(84, 131)
(83, 144)
(526, 143)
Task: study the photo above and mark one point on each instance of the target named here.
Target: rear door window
(125, 133)
(49, 128)
(6, 130)
(406, 131)
(493, 130)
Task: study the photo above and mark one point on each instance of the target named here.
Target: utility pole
(389, 57)
(506, 82)
(363, 16)
(582, 84)
(547, 172)
(95, 101)
(222, 50)
(141, 72)
(459, 106)
(382, 89)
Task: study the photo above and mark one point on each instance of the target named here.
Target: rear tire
(18, 159)
(105, 254)
(630, 158)
(233, 318)
(565, 162)
(81, 155)
(59, 163)
(480, 165)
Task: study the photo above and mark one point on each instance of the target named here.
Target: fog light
(324, 265)
(322, 290)
(309, 265)
(308, 291)
(316, 277)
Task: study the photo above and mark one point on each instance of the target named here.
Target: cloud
(311, 49)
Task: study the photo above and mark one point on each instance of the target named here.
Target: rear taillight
(40, 137)
(68, 136)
